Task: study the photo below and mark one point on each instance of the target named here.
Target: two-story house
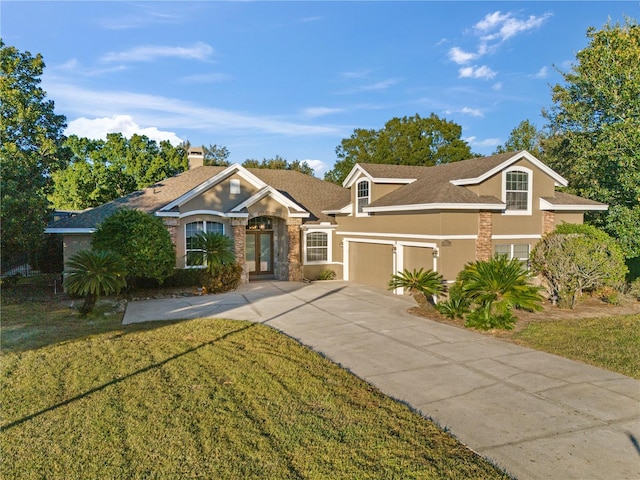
(385, 218)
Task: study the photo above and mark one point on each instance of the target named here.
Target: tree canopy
(402, 141)
(215, 155)
(100, 171)
(594, 129)
(524, 137)
(279, 163)
(30, 137)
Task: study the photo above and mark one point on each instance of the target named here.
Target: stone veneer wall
(484, 247)
(548, 222)
(238, 227)
(293, 257)
(172, 226)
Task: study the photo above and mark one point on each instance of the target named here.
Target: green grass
(200, 399)
(612, 343)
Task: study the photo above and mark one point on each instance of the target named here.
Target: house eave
(70, 231)
(436, 206)
(548, 206)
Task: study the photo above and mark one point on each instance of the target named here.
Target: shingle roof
(311, 193)
(566, 199)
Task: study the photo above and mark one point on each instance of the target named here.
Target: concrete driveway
(537, 415)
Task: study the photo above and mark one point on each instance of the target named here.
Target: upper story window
(362, 196)
(517, 191)
(194, 255)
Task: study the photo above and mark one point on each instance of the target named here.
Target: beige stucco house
(385, 218)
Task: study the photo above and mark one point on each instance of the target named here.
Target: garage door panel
(370, 263)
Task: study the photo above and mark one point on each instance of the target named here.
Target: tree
(524, 137)
(494, 288)
(141, 240)
(279, 163)
(100, 171)
(30, 137)
(419, 282)
(403, 141)
(93, 273)
(217, 156)
(594, 129)
(577, 258)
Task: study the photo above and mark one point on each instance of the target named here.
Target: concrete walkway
(537, 415)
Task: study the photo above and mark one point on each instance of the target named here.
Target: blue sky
(295, 78)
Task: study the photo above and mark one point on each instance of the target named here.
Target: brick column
(171, 225)
(548, 222)
(293, 255)
(484, 248)
(239, 227)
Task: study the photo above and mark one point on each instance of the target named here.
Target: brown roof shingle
(311, 193)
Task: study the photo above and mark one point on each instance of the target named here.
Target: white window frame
(329, 247)
(529, 174)
(358, 209)
(511, 254)
(186, 239)
(234, 186)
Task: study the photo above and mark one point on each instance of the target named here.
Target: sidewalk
(537, 415)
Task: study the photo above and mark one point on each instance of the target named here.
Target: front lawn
(612, 343)
(203, 399)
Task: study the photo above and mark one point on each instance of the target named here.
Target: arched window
(517, 191)
(194, 256)
(362, 195)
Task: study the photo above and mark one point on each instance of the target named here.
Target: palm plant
(94, 273)
(496, 287)
(215, 249)
(457, 305)
(419, 282)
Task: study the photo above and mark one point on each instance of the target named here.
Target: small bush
(483, 319)
(634, 289)
(456, 306)
(188, 277)
(225, 278)
(327, 275)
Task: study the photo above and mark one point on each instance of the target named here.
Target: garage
(371, 263)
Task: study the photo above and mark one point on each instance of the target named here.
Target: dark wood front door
(259, 253)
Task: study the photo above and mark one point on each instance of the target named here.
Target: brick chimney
(195, 155)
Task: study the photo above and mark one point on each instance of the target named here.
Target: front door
(259, 253)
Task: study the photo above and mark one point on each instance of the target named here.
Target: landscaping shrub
(141, 240)
(578, 258)
(494, 288)
(421, 283)
(327, 275)
(457, 305)
(188, 277)
(92, 273)
(224, 278)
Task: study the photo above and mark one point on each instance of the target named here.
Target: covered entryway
(259, 248)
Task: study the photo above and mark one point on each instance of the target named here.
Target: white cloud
(319, 167)
(497, 86)
(321, 111)
(461, 57)
(97, 128)
(372, 87)
(482, 72)
(207, 78)
(542, 73)
(169, 113)
(148, 53)
(474, 112)
(487, 142)
(500, 27)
